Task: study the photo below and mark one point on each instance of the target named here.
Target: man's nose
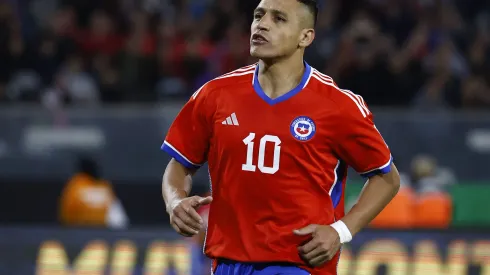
(264, 23)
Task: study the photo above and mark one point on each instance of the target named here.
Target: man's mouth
(259, 39)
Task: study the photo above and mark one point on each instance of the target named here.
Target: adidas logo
(231, 120)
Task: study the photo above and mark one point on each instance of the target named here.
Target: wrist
(344, 233)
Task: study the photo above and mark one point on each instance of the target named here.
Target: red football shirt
(275, 164)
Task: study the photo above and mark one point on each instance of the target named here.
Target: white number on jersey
(249, 166)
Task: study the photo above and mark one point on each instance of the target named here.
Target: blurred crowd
(424, 54)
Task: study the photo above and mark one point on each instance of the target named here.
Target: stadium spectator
(89, 200)
(433, 208)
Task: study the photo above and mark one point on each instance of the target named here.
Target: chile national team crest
(303, 128)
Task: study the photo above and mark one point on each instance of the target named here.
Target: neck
(280, 76)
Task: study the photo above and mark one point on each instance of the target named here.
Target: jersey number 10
(249, 166)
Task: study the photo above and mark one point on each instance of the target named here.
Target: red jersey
(275, 164)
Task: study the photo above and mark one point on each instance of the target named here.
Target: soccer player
(278, 137)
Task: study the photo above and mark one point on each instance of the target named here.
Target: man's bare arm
(376, 194)
(176, 183)
(176, 186)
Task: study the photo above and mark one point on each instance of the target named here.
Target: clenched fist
(184, 217)
(324, 244)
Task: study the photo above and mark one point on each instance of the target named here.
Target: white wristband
(343, 230)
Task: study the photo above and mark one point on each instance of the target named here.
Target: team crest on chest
(303, 128)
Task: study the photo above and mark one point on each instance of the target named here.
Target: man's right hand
(184, 217)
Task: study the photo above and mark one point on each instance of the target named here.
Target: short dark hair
(88, 166)
(312, 7)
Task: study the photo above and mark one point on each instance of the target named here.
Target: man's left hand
(323, 246)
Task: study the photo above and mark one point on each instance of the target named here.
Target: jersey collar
(258, 89)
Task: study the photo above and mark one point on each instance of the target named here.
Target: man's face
(277, 28)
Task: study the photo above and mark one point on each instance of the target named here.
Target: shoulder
(239, 77)
(345, 100)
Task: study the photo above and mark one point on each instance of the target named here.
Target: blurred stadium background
(88, 89)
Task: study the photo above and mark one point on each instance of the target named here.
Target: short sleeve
(188, 138)
(358, 141)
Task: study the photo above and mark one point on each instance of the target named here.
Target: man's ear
(306, 38)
